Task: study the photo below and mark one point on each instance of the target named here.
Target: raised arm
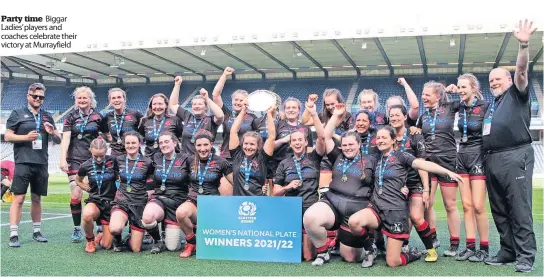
(218, 114)
(234, 141)
(524, 34)
(339, 110)
(269, 143)
(218, 89)
(173, 102)
(320, 146)
(307, 118)
(412, 99)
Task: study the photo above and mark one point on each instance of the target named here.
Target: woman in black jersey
(120, 120)
(413, 112)
(205, 172)
(196, 120)
(81, 126)
(470, 167)
(388, 210)
(156, 121)
(101, 171)
(298, 175)
(436, 125)
(364, 125)
(417, 182)
(238, 98)
(368, 100)
(249, 159)
(331, 97)
(171, 188)
(291, 109)
(135, 171)
(349, 191)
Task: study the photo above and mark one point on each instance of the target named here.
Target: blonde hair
(99, 143)
(388, 107)
(112, 90)
(89, 92)
(474, 83)
(439, 89)
(374, 96)
(241, 92)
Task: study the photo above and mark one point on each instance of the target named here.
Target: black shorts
(416, 190)
(133, 212)
(392, 223)
(447, 162)
(169, 206)
(343, 208)
(325, 165)
(73, 166)
(104, 206)
(470, 165)
(36, 175)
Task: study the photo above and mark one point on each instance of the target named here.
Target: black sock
(471, 244)
(90, 239)
(4, 190)
(454, 241)
(380, 243)
(191, 239)
(407, 258)
(155, 233)
(405, 242)
(433, 234)
(367, 243)
(117, 239)
(75, 207)
(425, 234)
(484, 245)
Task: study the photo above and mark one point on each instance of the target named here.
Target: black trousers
(509, 178)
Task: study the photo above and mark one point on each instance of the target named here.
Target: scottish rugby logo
(246, 212)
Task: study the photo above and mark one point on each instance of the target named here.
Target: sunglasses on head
(41, 97)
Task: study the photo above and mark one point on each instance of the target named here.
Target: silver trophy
(260, 101)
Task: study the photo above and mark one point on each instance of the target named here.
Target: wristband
(524, 45)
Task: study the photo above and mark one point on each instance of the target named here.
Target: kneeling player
(171, 190)
(101, 172)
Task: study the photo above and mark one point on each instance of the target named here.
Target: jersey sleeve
(13, 121)
(333, 155)
(83, 169)
(226, 168)
(68, 122)
(141, 126)
(235, 153)
(419, 122)
(407, 159)
(183, 114)
(310, 137)
(279, 176)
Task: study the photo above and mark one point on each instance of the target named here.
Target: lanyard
(403, 142)
(432, 122)
(202, 175)
(165, 171)
(298, 166)
(83, 125)
(247, 169)
(465, 122)
(197, 127)
(381, 171)
(129, 177)
(100, 180)
(364, 148)
(37, 119)
(118, 127)
(345, 166)
(155, 131)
